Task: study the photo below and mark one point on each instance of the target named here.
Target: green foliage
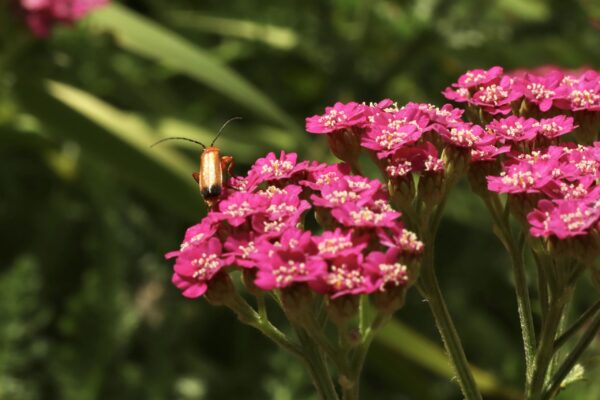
(87, 208)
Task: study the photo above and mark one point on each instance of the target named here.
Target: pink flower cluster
(258, 225)
(564, 180)
(404, 139)
(496, 92)
(41, 15)
(555, 180)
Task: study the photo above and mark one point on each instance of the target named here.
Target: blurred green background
(87, 209)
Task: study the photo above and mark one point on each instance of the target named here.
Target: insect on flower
(210, 175)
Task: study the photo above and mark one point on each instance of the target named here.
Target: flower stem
(515, 251)
(317, 367)
(569, 362)
(545, 350)
(581, 321)
(249, 316)
(523, 307)
(430, 287)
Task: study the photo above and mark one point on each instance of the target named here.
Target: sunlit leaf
(119, 139)
(149, 39)
(275, 36)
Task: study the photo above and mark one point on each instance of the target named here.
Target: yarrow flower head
(259, 228)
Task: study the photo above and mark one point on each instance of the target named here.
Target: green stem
(568, 364)
(445, 325)
(545, 350)
(523, 307)
(515, 251)
(319, 336)
(359, 357)
(581, 321)
(317, 367)
(249, 316)
(542, 285)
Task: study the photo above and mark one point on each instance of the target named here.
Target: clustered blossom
(42, 15)
(407, 139)
(534, 117)
(521, 124)
(497, 93)
(564, 181)
(259, 227)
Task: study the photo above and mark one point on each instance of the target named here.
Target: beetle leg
(227, 164)
(196, 177)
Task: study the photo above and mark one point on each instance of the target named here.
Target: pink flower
(340, 116)
(562, 218)
(460, 95)
(557, 126)
(293, 261)
(345, 276)
(403, 240)
(357, 192)
(331, 244)
(239, 206)
(568, 190)
(42, 15)
(419, 158)
(496, 98)
(467, 135)
(195, 235)
(488, 153)
(196, 267)
(272, 168)
(283, 212)
(242, 247)
(514, 129)
(448, 115)
(479, 77)
(379, 214)
(390, 131)
(582, 160)
(585, 96)
(386, 270)
(522, 178)
(325, 174)
(541, 90)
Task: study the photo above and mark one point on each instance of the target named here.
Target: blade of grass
(117, 138)
(147, 38)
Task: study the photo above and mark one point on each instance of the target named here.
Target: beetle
(210, 174)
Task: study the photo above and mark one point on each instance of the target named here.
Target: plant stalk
(545, 350)
(563, 370)
(430, 287)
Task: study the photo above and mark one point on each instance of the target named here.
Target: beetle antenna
(221, 130)
(179, 138)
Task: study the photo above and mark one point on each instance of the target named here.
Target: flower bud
(221, 290)
(456, 160)
(477, 176)
(248, 278)
(297, 302)
(345, 145)
(342, 309)
(431, 189)
(402, 191)
(390, 300)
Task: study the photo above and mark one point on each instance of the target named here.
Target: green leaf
(118, 138)
(276, 36)
(146, 38)
(575, 375)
